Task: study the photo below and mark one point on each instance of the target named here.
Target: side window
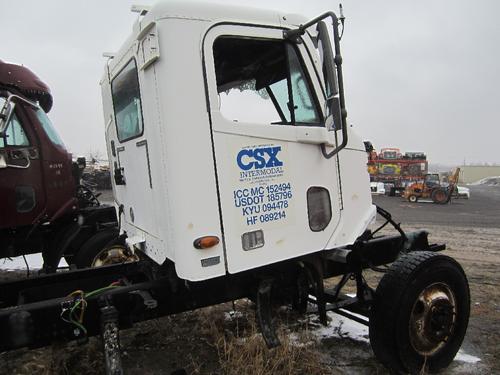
(14, 134)
(305, 111)
(262, 81)
(127, 103)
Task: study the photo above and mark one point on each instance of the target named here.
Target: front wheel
(420, 313)
(412, 198)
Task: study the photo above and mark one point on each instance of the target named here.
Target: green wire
(79, 326)
(97, 291)
(93, 293)
(87, 295)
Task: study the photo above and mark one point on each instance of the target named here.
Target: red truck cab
(36, 181)
(42, 208)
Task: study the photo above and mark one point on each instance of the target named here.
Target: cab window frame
(310, 86)
(3, 140)
(305, 73)
(138, 135)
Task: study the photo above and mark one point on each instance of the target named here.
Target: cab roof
(215, 12)
(207, 12)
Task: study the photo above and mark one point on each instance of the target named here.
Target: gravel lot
(199, 341)
(471, 231)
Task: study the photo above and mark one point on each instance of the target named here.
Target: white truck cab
(217, 125)
(236, 176)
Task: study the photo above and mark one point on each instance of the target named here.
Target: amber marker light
(206, 242)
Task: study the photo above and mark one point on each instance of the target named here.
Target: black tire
(396, 299)
(439, 196)
(76, 244)
(412, 198)
(89, 250)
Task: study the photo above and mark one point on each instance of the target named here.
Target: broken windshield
(262, 81)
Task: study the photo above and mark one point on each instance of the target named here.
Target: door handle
(17, 155)
(118, 175)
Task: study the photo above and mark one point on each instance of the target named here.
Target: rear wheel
(112, 255)
(439, 196)
(420, 313)
(99, 250)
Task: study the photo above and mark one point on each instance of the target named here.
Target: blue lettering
(239, 160)
(259, 158)
(273, 160)
(259, 190)
(251, 220)
(258, 155)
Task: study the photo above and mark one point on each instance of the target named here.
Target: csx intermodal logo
(258, 158)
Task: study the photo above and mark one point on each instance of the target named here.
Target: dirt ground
(212, 341)
(470, 229)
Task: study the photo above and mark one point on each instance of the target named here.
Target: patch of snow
(230, 315)
(464, 357)
(35, 261)
(342, 327)
(299, 341)
(490, 181)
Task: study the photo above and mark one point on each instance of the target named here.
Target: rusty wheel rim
(114, 255)
(440, 196)
(432, 319)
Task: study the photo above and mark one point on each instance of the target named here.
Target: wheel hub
(432, 319)
(113, 255)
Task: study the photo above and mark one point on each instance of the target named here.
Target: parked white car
(377, 187)
(463, 192)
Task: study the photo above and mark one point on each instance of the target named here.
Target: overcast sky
(419, 75)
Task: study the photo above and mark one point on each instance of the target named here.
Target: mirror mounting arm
(5, 113)
(294, 35)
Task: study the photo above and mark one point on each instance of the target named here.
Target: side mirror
(332, 69)
(5, 115)
(3, 162)
(334, 121)
(332, 86)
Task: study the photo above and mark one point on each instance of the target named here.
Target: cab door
(22, 197)
(279, 196)
(127, 135)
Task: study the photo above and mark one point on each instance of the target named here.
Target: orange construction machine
(432, 188)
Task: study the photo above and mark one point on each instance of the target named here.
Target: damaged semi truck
(235, 175)
(43, 207)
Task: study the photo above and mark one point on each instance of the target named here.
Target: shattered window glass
(262, 81)
(127, 103)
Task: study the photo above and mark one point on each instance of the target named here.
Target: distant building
(473, 173)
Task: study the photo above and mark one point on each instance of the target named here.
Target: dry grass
(206, 341)
(60, 359)
(242, 350)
